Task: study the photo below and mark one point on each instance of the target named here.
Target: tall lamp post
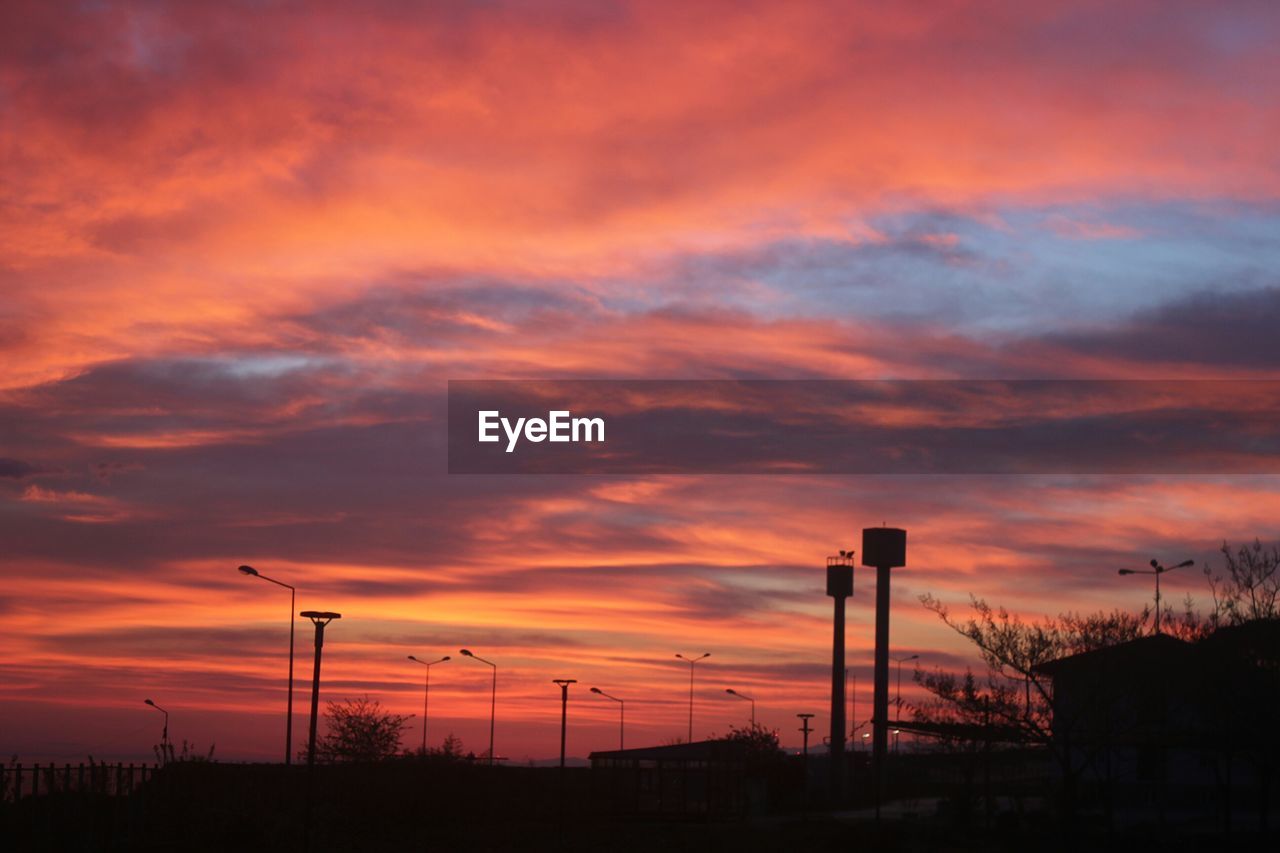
(622, 716)
(1157, 570)
(164, 736)
(426, 694)
(733, 692)
(493, 695)
(319, 618)
(898, 700)
(288, 719)
(564, 710)
(691, 662)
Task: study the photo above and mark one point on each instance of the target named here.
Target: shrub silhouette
(360, 730)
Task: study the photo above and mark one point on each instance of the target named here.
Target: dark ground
(406, 807)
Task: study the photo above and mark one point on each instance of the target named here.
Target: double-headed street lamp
(691, 662)
(622, 715)
(493, 697)
(733, 692)
(164, 736)
(319, 618)
(426, 694)
(1157, 570)
(288, 720)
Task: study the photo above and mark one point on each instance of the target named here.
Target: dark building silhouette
(1171, 726)
(705, 779)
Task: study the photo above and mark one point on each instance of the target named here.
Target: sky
(244, 246)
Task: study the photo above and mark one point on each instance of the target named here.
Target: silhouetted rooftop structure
(696, 780)
(1157, 649)
(704, 750)
(1162, 715)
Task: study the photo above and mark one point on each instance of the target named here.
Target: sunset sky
(243, 247)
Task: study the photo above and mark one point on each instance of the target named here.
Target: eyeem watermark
(864, 427)
(559, 426)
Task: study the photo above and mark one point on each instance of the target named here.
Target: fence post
(80, 778)
(17, 785)
(119, 778)
(66, 778)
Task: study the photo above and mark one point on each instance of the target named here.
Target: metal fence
(18, 781)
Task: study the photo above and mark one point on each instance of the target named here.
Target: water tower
(884, 548)
(839, 587)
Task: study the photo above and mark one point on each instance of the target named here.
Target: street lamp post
(493, 695)
(733, 692)
(898, 701)
(288, 720)
(1157, 570)
(164, 736)
(426, 694)
(319, 618)
(564, 711)
(804, 727)
(691, 662)
(622, 716)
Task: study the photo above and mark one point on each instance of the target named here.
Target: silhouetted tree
(761, 742)
(1013, 693)
(1014, 698)
(451, 747)
(359, 730)
(1012, 702)
(1248, 587)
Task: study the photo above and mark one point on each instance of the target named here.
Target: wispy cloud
(242, 250)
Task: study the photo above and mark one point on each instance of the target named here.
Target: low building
(1173, 724)
(701, 780)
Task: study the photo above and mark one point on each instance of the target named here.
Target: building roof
(704, 750)
(1144, 651)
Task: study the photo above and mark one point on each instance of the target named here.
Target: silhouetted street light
(1157, 570)
(426, 694)
(622, 716)
(898, 700)
(564, 710)
(288, 720)
(164, 736)
(804, 727)
(319, 618)
(691, 662)
(493, 695)
(733, 692)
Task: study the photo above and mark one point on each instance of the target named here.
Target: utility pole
(804, 727)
